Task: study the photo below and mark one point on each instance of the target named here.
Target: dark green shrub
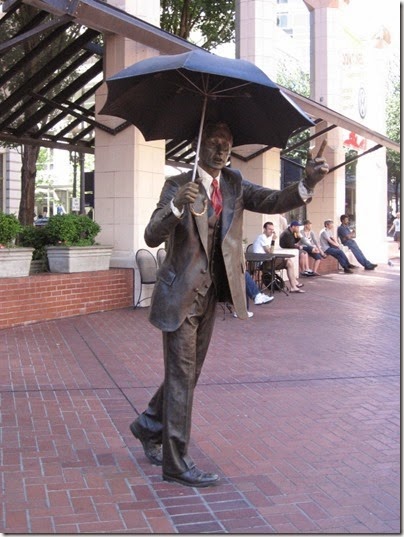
(71, 230)
(10, 227)
(34, 237)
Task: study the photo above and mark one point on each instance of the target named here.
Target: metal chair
(255, 274)
(161, 255)
(147, 265)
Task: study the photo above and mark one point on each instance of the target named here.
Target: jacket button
(196, 289)
(203, 271)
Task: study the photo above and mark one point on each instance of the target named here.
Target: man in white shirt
(264, 244)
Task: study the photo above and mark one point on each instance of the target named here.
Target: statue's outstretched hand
(316, 168)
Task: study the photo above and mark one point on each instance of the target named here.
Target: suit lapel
(228, 195)
(202, 221)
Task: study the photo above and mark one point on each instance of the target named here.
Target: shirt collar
(207, 179)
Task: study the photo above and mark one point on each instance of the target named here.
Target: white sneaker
(250, 314)
(262, 299)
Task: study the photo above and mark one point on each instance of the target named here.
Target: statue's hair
(209, 127)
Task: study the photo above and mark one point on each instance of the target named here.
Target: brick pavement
(297, 409)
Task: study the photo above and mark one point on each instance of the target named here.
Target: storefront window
(291, 172)
(350, 186)
(2, 182)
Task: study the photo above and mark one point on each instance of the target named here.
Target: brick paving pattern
(297, 409)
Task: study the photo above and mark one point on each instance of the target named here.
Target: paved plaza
(297, 409)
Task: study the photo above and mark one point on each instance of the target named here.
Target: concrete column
(371, 171)
(329, 198)
(256, 33)
(255, 42)
(348, 74)
(129, 172)
(325, 76)
(12, 188)
(263, 170)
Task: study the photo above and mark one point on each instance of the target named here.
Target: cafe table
(255, 263)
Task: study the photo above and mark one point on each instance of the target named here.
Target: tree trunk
(397, 194)
(184, 23)
(28, 175)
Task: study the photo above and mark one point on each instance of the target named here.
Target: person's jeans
(357, 252)
(251, 287)
(338, 254)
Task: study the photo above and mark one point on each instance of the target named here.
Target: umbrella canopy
(170, 97)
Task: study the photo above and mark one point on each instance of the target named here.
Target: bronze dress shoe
(193, 478)
(153, 451)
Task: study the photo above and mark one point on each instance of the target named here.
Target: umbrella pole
(198, 146)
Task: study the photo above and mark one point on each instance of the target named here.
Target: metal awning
(51, 64)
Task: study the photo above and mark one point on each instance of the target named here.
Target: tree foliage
(393, 126)
(291, 76)
(213, 20)
(16, 78)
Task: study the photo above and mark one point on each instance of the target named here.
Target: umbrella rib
(213, 91)
(192, 83)
(217, 92)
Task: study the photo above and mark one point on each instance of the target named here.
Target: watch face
(362, 105)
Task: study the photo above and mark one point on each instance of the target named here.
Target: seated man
(330, 246)
(346, 236)
(291, 238)
(264, 244)
(312, 246)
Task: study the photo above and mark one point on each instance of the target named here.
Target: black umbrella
(170, 97)
(165, 97)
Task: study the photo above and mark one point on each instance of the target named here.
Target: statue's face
(215, 149)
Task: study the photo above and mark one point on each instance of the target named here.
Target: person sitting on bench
(330, 246)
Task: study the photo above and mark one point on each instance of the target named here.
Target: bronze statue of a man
(204, 264)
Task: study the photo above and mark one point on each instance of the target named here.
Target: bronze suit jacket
(185, 270)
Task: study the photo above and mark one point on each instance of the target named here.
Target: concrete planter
(15, 262)
(65, 259)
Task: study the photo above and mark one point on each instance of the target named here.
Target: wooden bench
(327, 265)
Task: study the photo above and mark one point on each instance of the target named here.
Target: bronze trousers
(169, 413)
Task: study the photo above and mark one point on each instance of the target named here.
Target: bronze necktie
(216, 197)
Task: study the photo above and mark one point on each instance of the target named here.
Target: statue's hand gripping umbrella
(171, 97)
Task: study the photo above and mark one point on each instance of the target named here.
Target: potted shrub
(15, 261)
(72, 246)
(35, 237)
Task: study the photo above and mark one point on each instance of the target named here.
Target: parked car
(41, 221)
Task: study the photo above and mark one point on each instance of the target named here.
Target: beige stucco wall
(129, 171)
(341, 64)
